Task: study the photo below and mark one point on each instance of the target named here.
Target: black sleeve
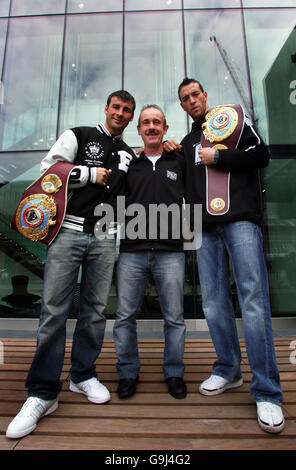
(251, 153)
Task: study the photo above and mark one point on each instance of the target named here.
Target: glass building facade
(60, 59)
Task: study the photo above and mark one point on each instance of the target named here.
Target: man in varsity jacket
(152, 244)
(101, 160)
(224, 155)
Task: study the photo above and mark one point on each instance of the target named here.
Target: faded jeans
(241, 242)
(68, 252)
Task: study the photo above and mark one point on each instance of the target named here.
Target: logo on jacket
(94, 150)
(172, 175)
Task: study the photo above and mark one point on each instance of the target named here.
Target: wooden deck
(151, 419)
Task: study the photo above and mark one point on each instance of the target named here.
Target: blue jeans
(133, 271)
(241, 242)
(68, 252)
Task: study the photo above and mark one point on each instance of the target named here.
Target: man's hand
(171, 145)
(139, 150)
(102, 176)
(207, 155)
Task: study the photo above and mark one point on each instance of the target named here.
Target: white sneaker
(216, 384)
(270, 416)
(93, 389)
(26, 420)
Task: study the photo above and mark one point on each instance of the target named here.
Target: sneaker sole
(75, 389)
(271, 429)
(217, 391)
(13, 435)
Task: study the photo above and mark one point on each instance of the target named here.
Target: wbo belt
(41, 210)
(222, 124)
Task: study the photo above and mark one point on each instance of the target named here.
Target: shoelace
(272, 418)
(32, 407)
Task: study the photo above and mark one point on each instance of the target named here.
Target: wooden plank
(35, 442)
(226, 398)
(85, 410)
(161, 428)
(151, 419)
(7, 444)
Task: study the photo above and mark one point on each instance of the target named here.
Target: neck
(112, 132)
(153, 150)
(203, 116)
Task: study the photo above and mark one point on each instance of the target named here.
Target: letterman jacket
(89, 148)
(150, 185)
(243, 163)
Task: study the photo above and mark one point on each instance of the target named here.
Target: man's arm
(251, 153)
(65, 150)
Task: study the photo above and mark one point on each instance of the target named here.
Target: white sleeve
(63, 150)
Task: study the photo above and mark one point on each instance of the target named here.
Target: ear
(165, 129)
(106, 109)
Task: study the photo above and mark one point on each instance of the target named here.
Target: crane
(235, 78)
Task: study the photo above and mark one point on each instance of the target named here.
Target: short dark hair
(186, 81)
(124, 95)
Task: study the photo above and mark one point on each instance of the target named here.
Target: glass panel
(269, 3)
(80, 6)
(31, 83)
(4, 7)
(152, 4)
(3, 29)
(211, 3)
(154, 67)
(37, 7)
(272, 68)
(92, 67)
(216, 59)
(21, 261)
(279, 178)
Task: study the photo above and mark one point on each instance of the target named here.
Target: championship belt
(41, 210)
(222, 124)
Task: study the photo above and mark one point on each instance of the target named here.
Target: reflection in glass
(272, 32)
(154, 67)
(152, 4)
(31, 83)
(84, 6)
(3, 29)
(92, 67)
(280, 197)
(21, 260)
(216, 59)
(270, 3)
(211, 3)
(37, 7)
(4, 7)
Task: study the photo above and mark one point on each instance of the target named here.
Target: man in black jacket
(224, 155)
(152, 243)
(101, 160)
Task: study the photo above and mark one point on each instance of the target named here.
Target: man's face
(152, 127)
(119, 114)
(193, 100)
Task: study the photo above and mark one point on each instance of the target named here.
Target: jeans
(133, 271)
(68, 252)
(242, 243)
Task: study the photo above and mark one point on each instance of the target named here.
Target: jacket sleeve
(250, 154)
(65, 150)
